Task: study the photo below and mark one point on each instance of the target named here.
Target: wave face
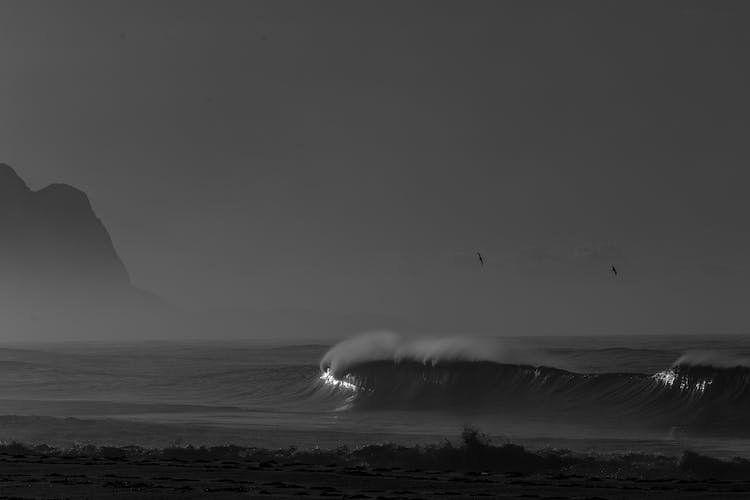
(384, 371)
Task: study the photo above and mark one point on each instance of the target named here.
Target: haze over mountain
(60, 275)
(61, 278)
(352, 159)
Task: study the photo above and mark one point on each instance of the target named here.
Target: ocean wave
(385, 371)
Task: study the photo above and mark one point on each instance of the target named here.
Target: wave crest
(712, 359)
(388, 346)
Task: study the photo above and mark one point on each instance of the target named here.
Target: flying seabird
(614, 270)
(481, 260)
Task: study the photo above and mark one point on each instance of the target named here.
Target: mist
(339, 167)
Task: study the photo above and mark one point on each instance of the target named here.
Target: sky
(351, 157)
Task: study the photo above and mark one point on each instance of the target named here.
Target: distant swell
(691, 394)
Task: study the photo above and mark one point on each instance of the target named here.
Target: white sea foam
(672, 377)
(329, 378)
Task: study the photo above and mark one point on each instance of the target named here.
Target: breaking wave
(386, 346)
(700, 390)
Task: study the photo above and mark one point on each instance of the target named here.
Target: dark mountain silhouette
(59, 270)
(53, 237)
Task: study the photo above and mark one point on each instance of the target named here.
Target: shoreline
(473, 468)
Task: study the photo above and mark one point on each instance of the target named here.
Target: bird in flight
(614, 270)
(481, 259)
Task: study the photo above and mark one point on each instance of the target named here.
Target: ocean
(608, 394)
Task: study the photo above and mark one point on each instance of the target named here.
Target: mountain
(52, 237)
(59, 271)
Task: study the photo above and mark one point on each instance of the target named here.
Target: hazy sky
(352, 156)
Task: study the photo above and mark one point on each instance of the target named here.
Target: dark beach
(471, 469)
